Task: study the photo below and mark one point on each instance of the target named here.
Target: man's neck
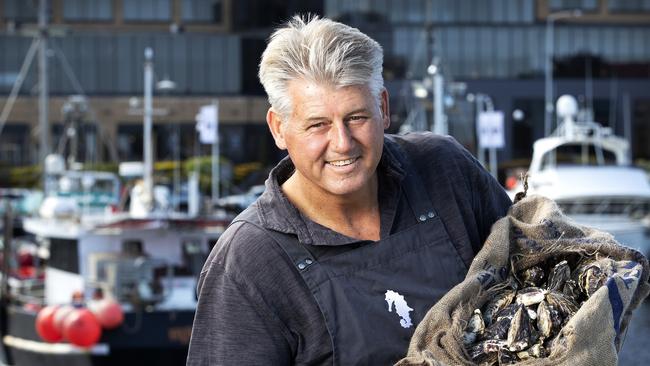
(355, 215)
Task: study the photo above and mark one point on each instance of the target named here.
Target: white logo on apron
(401, 307)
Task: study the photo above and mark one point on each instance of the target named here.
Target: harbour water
(635, 350)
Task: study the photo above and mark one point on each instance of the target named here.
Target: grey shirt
(255, 309)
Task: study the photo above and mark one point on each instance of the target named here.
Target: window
(14, 144)
(147, 10)
(88, 10)
(21, 10)
(584, 5)
(64, 255)
(202, 11)
(628, 6)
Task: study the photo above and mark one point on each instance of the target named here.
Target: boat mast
(42, 82)
(148, 151)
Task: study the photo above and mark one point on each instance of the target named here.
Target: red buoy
(81, 328)
(60, 314)
(45, 324)
(109, 313)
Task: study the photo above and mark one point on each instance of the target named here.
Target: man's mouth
(343, 162)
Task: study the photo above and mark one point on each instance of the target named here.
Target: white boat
(587, 170)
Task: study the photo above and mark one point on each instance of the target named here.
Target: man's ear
(274, 121)
(385, 109)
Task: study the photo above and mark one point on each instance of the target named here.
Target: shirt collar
(277, 213)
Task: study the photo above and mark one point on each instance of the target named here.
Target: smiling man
(357, 234)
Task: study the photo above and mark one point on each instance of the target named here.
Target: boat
(587, 170)
(98, 240)
(23, 202)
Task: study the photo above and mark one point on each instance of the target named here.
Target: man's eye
(315, 125)
(358, 118)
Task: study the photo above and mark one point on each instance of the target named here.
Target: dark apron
(373, 297)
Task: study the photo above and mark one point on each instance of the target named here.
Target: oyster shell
(535, 351)
(571, 289)
(519, 334)
(498, 329)
(591, 277)
(544, 320)
(530, 296)
(475, 328)
(562, 303)
(507, 312)
(560, 273)
(533, 276)
(506, 357)
(496, 304)
(486, 352)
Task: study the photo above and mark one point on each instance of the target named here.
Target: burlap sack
(533, 231)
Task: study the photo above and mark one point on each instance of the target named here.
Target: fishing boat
(100, 241)
(587, 170)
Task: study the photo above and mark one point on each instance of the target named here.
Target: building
(211, 48)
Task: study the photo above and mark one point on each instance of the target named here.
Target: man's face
(334, 136)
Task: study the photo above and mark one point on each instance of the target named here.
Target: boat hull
(156, 338)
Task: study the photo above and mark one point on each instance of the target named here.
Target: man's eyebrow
(315, 118)
(321, 118)
(359, 110)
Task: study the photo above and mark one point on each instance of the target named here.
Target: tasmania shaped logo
(394, 299)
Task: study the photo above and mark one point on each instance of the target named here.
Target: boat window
(578, 155)
(133, 248)
(64, 255)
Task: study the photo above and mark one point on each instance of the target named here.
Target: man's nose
(340, 137)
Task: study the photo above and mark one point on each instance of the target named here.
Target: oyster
(519, 324)
(532, 312)
(531, 296)
(506, 357)
(498, 329)
(558, 276)
(562, 303)
(519, 334)
(507, 312)
(544, 321)
(571, 289)
(591, 277)
(486, 351)
(475, 327)
(536, 351)
(496, 304)
(532, 276)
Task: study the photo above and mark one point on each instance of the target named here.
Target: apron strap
(412, 186)
(301, 258)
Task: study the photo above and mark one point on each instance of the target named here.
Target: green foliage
(30, 176)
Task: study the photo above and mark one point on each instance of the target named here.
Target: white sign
(490, 130)
(207, 123)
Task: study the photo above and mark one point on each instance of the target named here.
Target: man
(357, 234)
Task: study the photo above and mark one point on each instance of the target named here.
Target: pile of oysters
(523, 316)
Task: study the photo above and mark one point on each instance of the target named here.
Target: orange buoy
(109, 313)
(81, 328)
(45, 324)
(60, 314)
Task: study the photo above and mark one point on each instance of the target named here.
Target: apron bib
(373, 297)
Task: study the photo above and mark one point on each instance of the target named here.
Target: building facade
(210, 50)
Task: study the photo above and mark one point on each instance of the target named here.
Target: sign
(207, 123)
(490, 130)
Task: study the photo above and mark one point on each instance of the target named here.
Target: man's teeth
(342, 162)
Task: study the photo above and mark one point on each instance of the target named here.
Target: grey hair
(319, 51)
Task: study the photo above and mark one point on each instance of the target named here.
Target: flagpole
(215, 154)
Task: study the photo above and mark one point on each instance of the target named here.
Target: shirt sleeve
(232, 325)
(490, 201)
